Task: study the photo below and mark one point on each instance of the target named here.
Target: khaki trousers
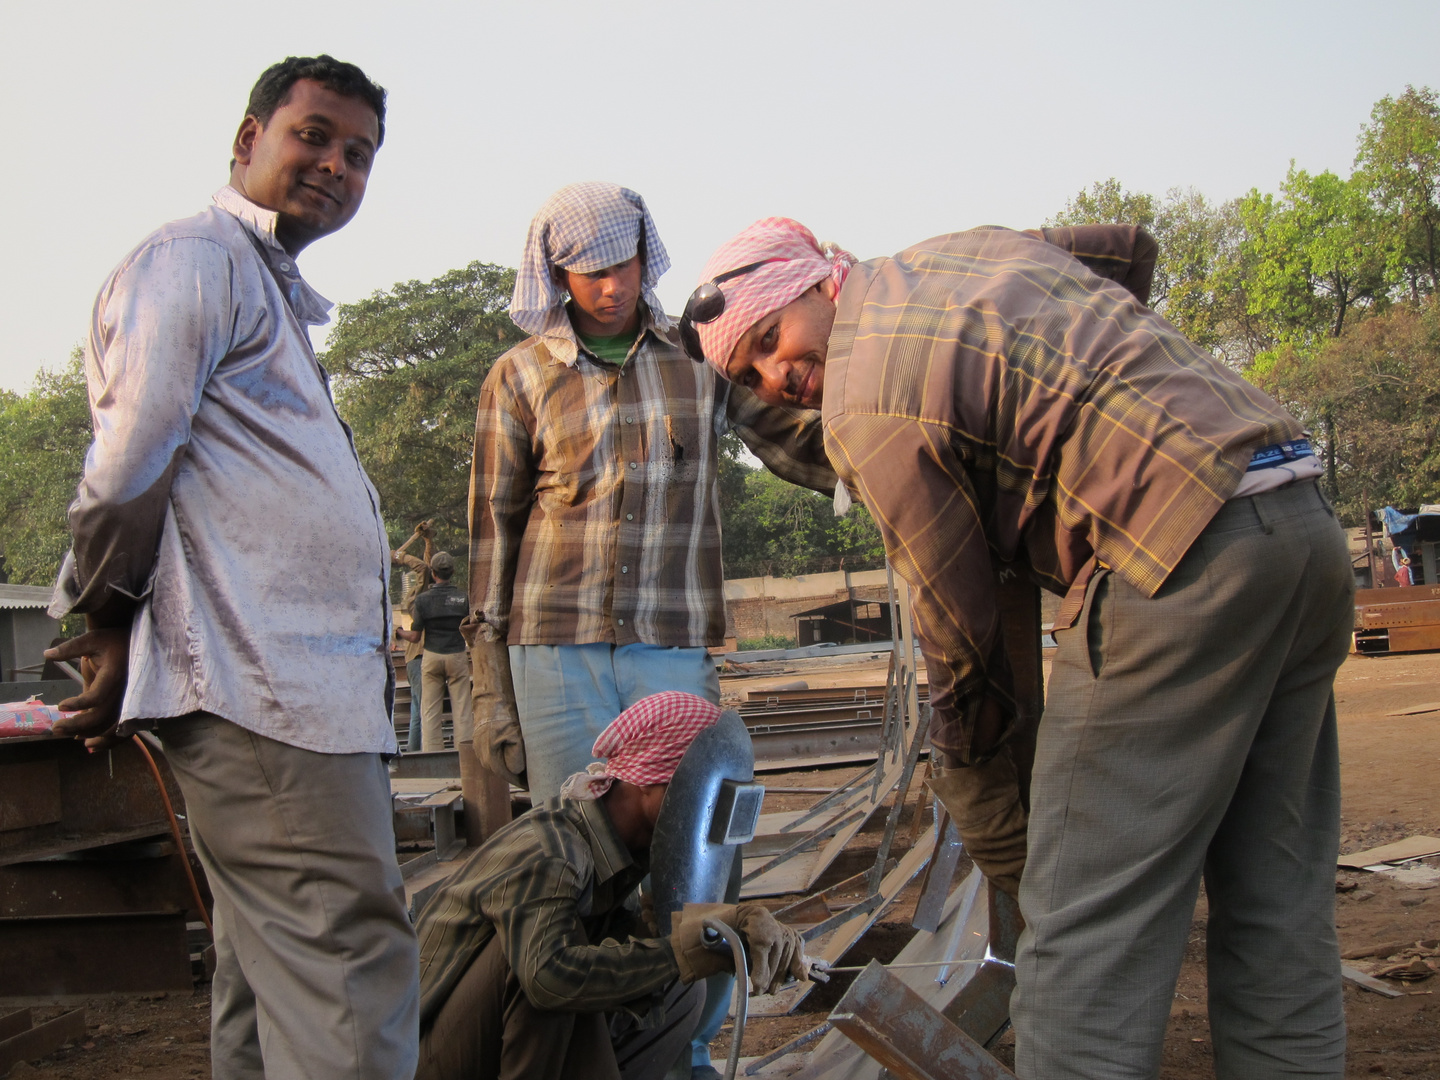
(1193, 733)
(488, 1030)
(437, 670)
(317, 974)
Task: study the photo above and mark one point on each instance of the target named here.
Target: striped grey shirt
(552, 884)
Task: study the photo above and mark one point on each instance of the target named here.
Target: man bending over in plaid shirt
(1001, 406)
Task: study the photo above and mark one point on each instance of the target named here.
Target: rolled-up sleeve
(789, 442)
(158, 332)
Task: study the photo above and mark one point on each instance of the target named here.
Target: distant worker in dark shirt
(438, 613)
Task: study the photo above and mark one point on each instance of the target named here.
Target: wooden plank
(43, 1040)
(31, 795)
(1412, 847)
(1367, 982)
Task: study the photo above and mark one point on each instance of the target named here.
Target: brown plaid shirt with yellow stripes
(594, 510)
(995, 401)
(552, 885)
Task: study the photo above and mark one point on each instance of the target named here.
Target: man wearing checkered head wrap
(531, 964)
(1014, 415)
(595, 569)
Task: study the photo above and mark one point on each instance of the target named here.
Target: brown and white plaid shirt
(994, 399)
(594, 510)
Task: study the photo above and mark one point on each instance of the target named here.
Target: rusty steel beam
(94, 954)
(90, 886)
(905, 1034)
(55, 798)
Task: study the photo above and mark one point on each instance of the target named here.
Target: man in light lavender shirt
(230, 560)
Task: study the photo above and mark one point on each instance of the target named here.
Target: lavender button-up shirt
(224, 494)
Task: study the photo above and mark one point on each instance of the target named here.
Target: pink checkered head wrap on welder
(644, 744)
(796, 262)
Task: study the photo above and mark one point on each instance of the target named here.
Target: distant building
(25, 631)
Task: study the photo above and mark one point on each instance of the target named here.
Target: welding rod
(922, 964)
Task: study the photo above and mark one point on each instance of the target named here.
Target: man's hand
(105, 665)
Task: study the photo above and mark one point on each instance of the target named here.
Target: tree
(1398, 161)
(1196, 285)
(1378, 386)
(781, 529)
(408, 364)
(44, 434)
(1320, 250)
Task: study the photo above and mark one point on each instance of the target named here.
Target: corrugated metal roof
(24, 596)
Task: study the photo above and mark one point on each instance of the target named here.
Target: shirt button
(285, 266)
(624, 569)
(629, 419)
(620, 621)
(633, 465)
(629, 517)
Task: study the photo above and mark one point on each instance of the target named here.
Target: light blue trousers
(567, 694)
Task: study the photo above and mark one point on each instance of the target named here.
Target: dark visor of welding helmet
(706, 304)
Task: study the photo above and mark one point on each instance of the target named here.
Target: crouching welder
(532, 964)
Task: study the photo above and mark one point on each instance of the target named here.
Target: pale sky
(876, 124)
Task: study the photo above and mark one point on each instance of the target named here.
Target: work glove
(984, 802)
(498, 742)
(775, 952)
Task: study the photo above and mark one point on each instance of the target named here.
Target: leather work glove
(775, 952)
(984, 802)
(498, 742)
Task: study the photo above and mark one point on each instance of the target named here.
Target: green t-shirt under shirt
(612, 350)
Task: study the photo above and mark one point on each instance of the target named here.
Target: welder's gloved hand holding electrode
(775, 952)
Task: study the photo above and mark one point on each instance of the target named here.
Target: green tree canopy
(44, 434)
(1399, 164)
(407, 366)
(1378, 386)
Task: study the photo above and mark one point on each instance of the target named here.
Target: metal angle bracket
(905, 1034)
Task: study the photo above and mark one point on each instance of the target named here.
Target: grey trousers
(317, 974)
(488, 1030)
(1189, 733)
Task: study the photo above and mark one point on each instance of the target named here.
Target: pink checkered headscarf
(644, 744)
(798, 261)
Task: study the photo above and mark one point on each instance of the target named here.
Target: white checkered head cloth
(583, 228)
(798, 261)
(644, 744)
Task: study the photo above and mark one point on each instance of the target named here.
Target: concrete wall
(25, 634)
(758, 606)
(755, 607)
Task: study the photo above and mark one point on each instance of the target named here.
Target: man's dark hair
(273, 87)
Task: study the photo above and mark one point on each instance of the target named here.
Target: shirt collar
(564, 346)
(309, 306)
(611, 856)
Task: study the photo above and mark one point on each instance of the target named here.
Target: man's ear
(827, 288)
(244, 147)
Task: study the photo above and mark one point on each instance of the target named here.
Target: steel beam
(900, 1030)
(55, 798)
(94, 954)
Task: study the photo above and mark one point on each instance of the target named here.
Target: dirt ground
(1389, 777)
